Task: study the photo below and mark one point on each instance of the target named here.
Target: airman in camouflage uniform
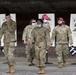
(8, 30)
(30, 52)
(63, 36)
(41, 38)
(47, 25)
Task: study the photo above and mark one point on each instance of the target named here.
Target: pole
(47, 58)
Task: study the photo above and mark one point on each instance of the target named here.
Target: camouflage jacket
(40, 36)
(8, 30)
(63, 35)
(27, 33)
(46, 25)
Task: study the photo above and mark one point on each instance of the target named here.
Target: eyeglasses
(33, 22)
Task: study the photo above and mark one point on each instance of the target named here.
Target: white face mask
(34, 24)
(39, 25)
(45, 21)
(59, 22)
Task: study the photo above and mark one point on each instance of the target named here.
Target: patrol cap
(45, 16)
(61, 19)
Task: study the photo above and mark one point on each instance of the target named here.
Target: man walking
(63, 36)
(8, 30)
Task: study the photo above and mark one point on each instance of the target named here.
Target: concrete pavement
(22, 68)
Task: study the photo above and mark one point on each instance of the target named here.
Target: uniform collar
(62, 25)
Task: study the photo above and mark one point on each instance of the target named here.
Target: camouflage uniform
(42, 40)
(8, 30)
(63, 39)
(30, 52)
(46, 25)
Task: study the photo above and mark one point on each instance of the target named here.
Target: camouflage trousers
(30, 53)
(9, 52)
(40, 56)
(62, 51)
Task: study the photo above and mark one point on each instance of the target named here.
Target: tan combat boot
(9, 70)
(43, 71)
(29, 63)
(64, 64)
(40, 71)
(12, 69)
(60, 64)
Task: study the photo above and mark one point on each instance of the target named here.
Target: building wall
(23, 21)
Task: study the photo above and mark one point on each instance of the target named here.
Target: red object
(61, 19)
(45, 17)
